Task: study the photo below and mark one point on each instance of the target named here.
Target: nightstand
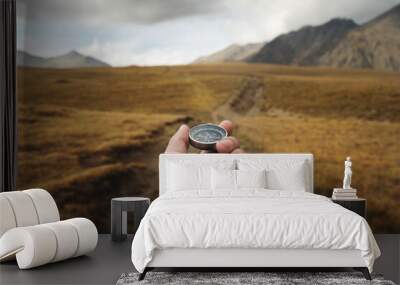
(119, 208)
(358, 206)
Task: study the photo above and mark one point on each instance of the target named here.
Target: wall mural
(102, 85)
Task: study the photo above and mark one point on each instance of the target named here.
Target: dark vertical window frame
(8, 108)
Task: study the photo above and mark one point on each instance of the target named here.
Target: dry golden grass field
(88, 135)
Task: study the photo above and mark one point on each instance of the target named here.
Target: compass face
(205, 136)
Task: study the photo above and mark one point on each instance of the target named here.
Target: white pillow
(223, 179)
(291, 175)
(251, 178)
(183, 177)
(187, 175)
(292, 179)
(226, 179)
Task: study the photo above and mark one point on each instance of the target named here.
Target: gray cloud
(152, 32)
(115, 11)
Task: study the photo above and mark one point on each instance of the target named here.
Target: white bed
(248, 227)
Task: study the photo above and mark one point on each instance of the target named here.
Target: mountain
(304, 46)
(72, 59)
(337, 43)
(26, 59)
(233, 52)
(375, 45)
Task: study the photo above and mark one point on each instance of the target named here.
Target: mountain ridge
(339, 43)
(72, 59)
(374, 45)
(233, 52)
(306, 45)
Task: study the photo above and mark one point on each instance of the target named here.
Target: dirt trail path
(122, 170)
(148, 155)
(247, 100)
(142, 158)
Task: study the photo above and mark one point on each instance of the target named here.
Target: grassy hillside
(91, 134)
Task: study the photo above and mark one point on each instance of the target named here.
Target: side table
(358, 205)
(119, 208)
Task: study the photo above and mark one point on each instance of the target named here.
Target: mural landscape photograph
(93, 119)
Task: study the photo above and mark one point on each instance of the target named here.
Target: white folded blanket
(250, 219)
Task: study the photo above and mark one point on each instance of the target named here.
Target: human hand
(179, 142)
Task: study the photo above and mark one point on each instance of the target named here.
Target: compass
(206, 136)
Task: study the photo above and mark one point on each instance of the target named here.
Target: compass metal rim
(206, 145)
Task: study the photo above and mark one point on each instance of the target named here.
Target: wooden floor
(110, 260)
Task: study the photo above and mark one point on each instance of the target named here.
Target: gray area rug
(228, 278)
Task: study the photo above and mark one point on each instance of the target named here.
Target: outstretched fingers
(228, 126)
(228, 145)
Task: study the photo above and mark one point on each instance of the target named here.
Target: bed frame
(246, 258)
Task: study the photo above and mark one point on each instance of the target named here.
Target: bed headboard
(165, 158)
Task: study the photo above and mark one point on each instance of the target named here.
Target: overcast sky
(158, 32)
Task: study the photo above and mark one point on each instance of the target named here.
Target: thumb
(179, 142)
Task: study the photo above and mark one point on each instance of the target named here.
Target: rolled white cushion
(67, 240)
(23, 208)
(7, 218)
(33, 246)
(87, 235)
(40, 244)
(45, 205)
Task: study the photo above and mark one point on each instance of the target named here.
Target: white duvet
(250, 219)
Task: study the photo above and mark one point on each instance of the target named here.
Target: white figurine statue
(347, 173)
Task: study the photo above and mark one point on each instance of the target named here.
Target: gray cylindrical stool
(119, 208)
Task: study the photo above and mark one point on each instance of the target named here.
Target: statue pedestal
(344, 194)
(341, 190)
